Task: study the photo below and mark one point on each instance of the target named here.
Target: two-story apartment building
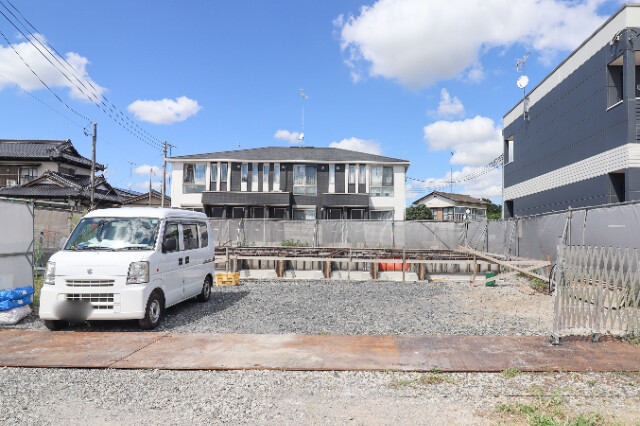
(574, 140)
(290, 182)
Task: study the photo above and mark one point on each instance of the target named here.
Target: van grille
(90, 283)
(97, 300)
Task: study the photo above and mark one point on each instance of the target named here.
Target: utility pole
(164, 170)
(164, 173)
(451, 174)
(93, 163)
(150, 173)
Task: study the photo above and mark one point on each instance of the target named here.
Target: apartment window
(27, 174)
(381, 181)
(381, 214)
(244, 173)
(304, 214)
(223, 172)
(508, 150)
(194, 178)
(276, 176)
(214, 173)
(254, 177)
(304, 180)
(362, 176)
(352, 174)
(332, 174)
(614, 85)
(265, 177)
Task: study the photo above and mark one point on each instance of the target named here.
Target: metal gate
(597, 291)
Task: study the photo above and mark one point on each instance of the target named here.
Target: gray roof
(294, 153)
(43, 150)
(67, 186)
(458, 198)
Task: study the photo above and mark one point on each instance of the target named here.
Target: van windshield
(114, 233)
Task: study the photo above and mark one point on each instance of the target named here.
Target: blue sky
(410, 79)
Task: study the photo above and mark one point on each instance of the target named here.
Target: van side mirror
(169, 245)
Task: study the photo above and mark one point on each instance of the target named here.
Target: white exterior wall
(178, 198)
(397, 202)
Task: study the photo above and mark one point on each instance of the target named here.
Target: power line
(94, 96)
(495, 163)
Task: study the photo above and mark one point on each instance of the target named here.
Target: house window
(244, 173)
(254, 177)
(362, 177)
(194, 178)
(27, 174)
(265, 177)
(304, 180)
(276, 176)
(381, 214)
(304, 214)
(447, 214)
(381, 181)
(352, 174)
(223, 172)
(214, 174)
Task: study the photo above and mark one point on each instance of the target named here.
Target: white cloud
(419, 42)
(475, 74)
(285, 135)
(144, 170)
(14, 69)
(164, 111)
(474, 141)
(361, 145)
(488, 185)
(448, 106)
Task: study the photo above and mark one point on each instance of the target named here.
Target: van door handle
(186, 260)
(180, 261)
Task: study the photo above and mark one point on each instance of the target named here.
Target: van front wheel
(55, 324)
(153, 312)
(206, 290)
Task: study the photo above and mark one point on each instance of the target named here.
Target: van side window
(190, 235)
(204, 235)
(171, 231)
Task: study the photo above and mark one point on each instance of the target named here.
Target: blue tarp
(15, 297)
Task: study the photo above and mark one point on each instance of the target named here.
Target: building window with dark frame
(194, 179)
(304, 214)
(362, 177)
(244, 173)
(214, 175)
(381, 214)
(381, 181)
(304, 180)
(223, 172)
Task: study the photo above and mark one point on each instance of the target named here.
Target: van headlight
(138, 273)
(50, 274)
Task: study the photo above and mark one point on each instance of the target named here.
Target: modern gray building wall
(578, 145)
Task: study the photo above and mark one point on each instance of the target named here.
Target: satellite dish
(522, 81)
(301, 137)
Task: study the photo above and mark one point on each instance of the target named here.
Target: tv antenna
(522, 82)
(303, 96)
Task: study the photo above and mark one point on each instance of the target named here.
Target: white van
(128, 263)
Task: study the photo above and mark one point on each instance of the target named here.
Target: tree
(494, 211)
(418, 212)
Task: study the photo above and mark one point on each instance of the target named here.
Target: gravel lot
(153, 397)
(335, 307)
(77, 396)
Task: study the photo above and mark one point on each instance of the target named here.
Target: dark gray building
(573, 142)
(290, 182)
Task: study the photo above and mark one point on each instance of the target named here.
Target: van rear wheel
(206, 290)
(153, 312)
(56, 324)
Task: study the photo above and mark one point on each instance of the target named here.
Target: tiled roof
(43, 150)
(289, 154)
(142, 197)
(64, 186)
(458, 198)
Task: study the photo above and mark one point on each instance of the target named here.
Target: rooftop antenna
(303, 96)
(131, 164)
(238, 144)
(522, 82)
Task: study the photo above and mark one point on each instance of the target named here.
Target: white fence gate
(597, 291)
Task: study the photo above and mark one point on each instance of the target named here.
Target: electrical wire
(93, 95)
(494, 164)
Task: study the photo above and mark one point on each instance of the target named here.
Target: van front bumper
(117, 302)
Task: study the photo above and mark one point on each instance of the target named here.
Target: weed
(294, 243)
(510, 373)
(633, 339)
(37, 286)
(592, 382)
